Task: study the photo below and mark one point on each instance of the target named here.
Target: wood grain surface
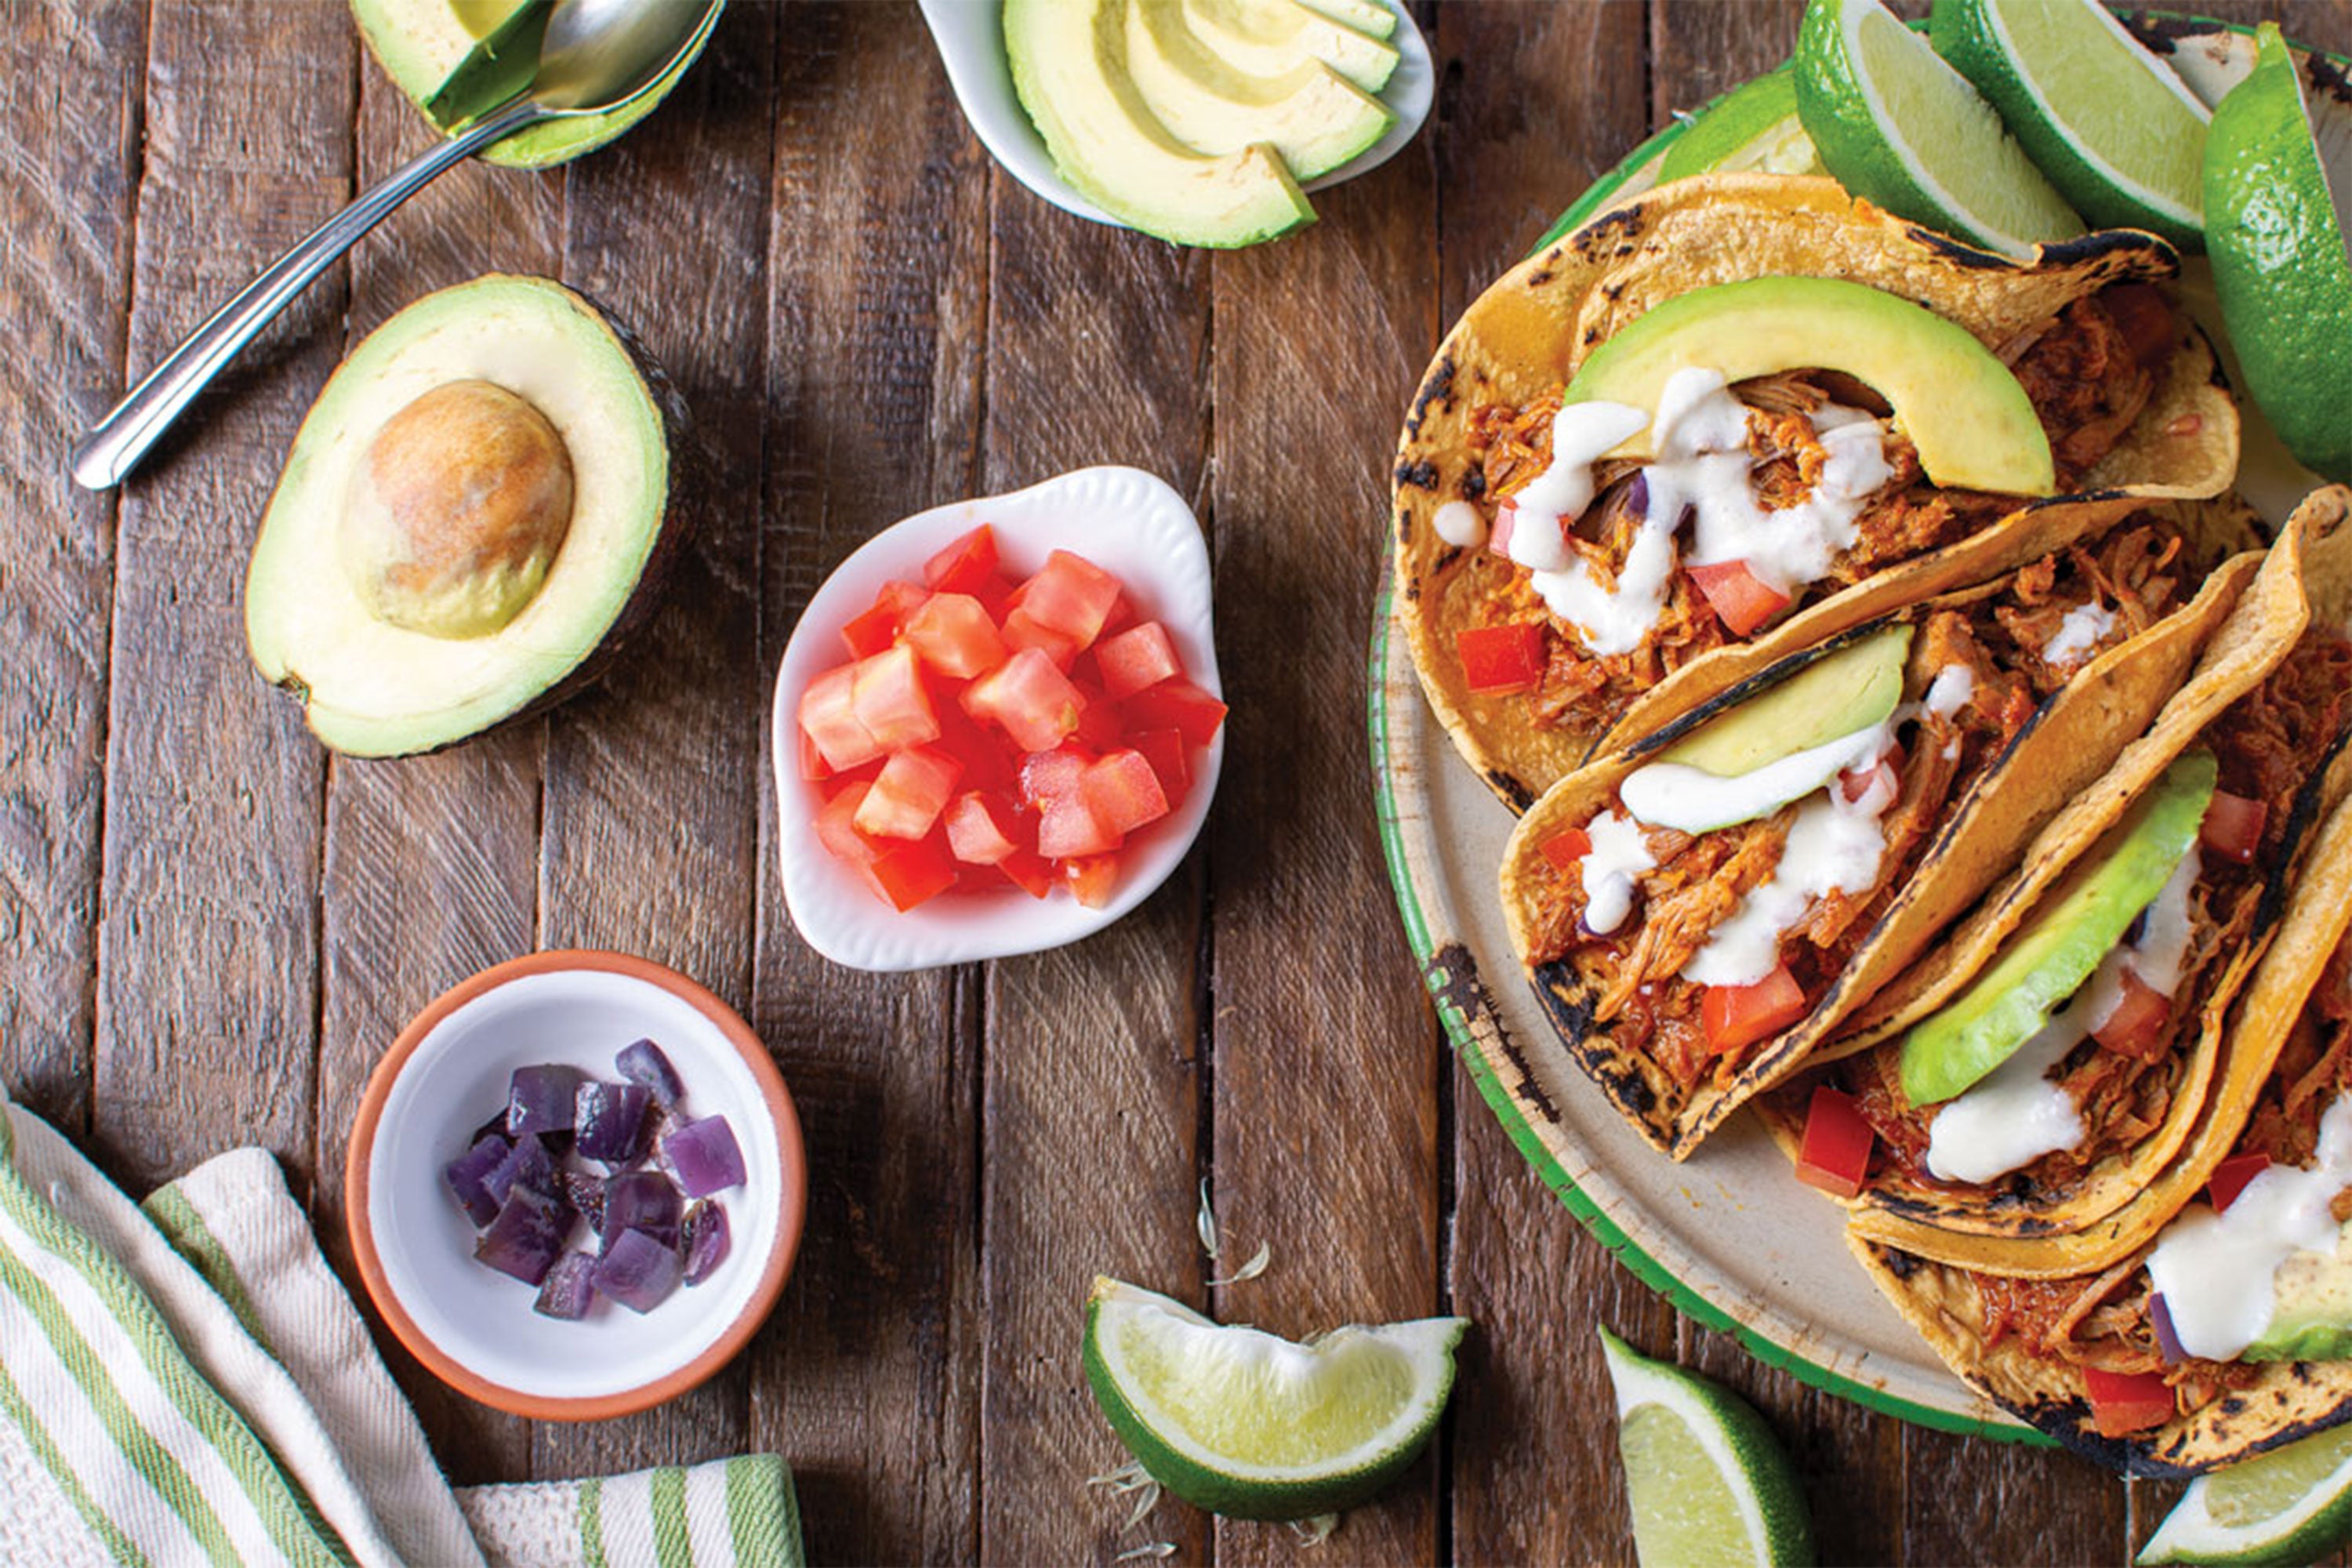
(211, 931)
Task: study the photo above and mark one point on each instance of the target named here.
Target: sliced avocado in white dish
(1270, 37)
(1314, 118)
(1370, 18)
(474, 512)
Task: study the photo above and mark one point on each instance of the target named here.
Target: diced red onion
(704, 1157)
(637, 1271)
(640, 1199)
(609, 1122)
(569, 1287)
(526, 1237)
(526, 1164)
(707, 1240)
(539, 1099)
(467, 1173)
(643, 1062)
(2165, 1339)
(587, 1194)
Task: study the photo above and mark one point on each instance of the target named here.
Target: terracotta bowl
(447, 1072)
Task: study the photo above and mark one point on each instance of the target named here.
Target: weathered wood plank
(207, 978)
(71, 86)
(869, 1377)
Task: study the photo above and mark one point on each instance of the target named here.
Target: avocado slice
(474, 511)
(1972, 424)
(420, 43)
(1314, 117)
(1369, 17)
(1271, 37)
(1069, 66)
(1842, 693)
(2076, 925)
(2311, 1309)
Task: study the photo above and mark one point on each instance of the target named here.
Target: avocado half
(384, 671)
(420, 42)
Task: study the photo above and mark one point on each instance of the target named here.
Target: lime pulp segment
(2290, 1505)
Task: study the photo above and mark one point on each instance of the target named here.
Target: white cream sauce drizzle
(1460, 524)
(1692, 800)
(1834, 846)
(2079, 633)
(1618, 855)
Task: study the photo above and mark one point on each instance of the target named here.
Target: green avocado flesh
(1314, 119)
(1272, 37)
(2078, 922)
(1850, 690)
(1972, 424)
(313, 621)
(2311, 1309)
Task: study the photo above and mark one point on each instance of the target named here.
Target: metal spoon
(597, 55)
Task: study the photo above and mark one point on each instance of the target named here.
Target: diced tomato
(983, 828)
(1032, 701)
(914, 786)
(1092, 879)
(1121, 616)
(965, 564)
(1739, 1015)
(1023, 630)
(890, 700)
(812, 761)
(828, 717)
(995, 595)
(1067, 826)
(1498, 537)
(1123, 792)
(1855, 783)
(1177, 704)
(1566, 847)
(871, 632)
(2124, 1402)
(1501, 658)
(1100, 728)
(1164, 750)
(1033, 874)
(2142, 317)
(836, 830)
(988, 758)
(908, 874)
(1835, 1155)
(1741, 601)
(1052, 775)
(1140, 656)
(2232, 828)
(1072, 595)
(2138, 1026)
(2230, 1176)
(952, 634)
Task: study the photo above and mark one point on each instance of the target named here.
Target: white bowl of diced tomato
(998, 725)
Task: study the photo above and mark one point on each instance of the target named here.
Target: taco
(1700, 910)
(1895, 403)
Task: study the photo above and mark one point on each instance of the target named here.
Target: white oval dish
(1132, 525)
(970, 38)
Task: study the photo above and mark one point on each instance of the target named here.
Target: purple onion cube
(704, 1157)
(706, 1241)
(569, 1287)
(609, 1122)
(2168, 1342)
(587, 1194)
(526, 1164)
(539, 1099)
(468, 1175)
(643, 1062)
(527, 1237)
(640, 1199)
(637, 1271)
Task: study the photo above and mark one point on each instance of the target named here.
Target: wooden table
(213, 928)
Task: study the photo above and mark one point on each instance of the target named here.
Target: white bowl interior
(1126, 521)
(455, 1080)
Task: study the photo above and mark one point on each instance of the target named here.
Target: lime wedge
(1899, 127)
(2291, 1505)
(1751, 129)
(1241, 1423)
(1710, 1485)
(2278, 206)
(2115, 131)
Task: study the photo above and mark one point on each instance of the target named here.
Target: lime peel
(2288, 1506)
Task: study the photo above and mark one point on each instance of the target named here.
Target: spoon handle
(116, 444)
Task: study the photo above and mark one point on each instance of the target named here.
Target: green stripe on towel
(28, 1421)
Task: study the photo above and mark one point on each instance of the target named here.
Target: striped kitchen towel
(187, 1383)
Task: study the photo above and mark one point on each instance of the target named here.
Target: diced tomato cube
(1123, 792)
(988, 758)
(2124, 1402)
(907, 874)
(1178, 704)
(1886, 771)
(1496, 659)
(871, 632)
(1121, 616)
(1741, 600)
(1023, 630)
(995, 595)
(1100, 727)
(1736, 1016)
(1067, 826)
(1566, 847)
(1092, 879)
(828, 717)
(983, 828)
(2230, 1176)
(1033, 874)
(1051, 775)
(890, 700)
(1032, 701)
(963, 565)
(912, 789)
(1164, 750)
(2232, 828)
(1072, 595)
(2138, 1025)
(1835, 1153)
(952, 634)
(836, 826)
(1138, 657)
(812, 761)
(1498, 537)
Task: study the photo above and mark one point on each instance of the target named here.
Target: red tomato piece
(1072, 595)
(1023, 630)
(1164, 750)
(1137, 657)
(995, 595)
(1032, 701)
(1739, 1015)
(1100, 728)
(1565, 848)
(2138, 1026)
(907, 874)
(1498, 537)
(1033, 874)
(2124, 1402)
(1835, 1155)
(1177, 704)
(914, 786)
(1121, 616)
(2232, 828)
(1092, 879)
(1123, 792)
(890, 700)
(1067, 826)
(983, 828)
(812, 761)
(952, 634)
(1052, 775)
(1496, 659)
(963, 565)
(871, 632)
(836, 830)
(2230, 1176)
(828, 717)
(1740, 600)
